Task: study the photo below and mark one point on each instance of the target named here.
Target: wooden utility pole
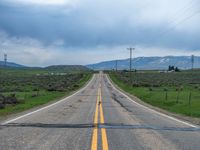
(131, 52)
(5, 60)
(192, 60)
(116, 64)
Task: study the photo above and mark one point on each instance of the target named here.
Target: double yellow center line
(99, 107)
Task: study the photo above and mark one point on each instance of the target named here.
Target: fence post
(166, 95)
(190, 96)
(177, 98)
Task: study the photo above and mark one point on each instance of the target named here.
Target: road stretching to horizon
(97, 117)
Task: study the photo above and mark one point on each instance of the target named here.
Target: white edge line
(60, 101)
(154, 111)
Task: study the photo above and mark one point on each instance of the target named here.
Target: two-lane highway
(97, 117)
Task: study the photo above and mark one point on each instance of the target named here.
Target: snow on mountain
(149, 63)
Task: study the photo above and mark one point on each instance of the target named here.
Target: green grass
(22, 71)
(42, 71)
(157, 97)
(85, 79)
(27, 100)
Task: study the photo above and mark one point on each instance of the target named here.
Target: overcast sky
(46, 32)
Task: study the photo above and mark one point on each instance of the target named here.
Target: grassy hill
(59, 69)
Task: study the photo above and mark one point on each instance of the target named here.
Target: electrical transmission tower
(5, 60)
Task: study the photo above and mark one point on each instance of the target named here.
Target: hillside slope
(149, 63)
(10, 64)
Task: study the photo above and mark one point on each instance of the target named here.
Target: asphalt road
(97, 117)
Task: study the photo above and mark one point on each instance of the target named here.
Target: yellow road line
(94, 144)
(103, 130)
(94, 139)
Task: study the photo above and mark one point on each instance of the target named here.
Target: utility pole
(116, 64)
(5, 60)
(131, 51)
(192, 60)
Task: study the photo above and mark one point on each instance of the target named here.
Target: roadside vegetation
(177, 92)
(22, 89)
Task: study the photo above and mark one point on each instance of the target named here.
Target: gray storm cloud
(161, 24)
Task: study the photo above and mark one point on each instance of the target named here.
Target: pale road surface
(97, 117)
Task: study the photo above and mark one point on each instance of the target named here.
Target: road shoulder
(70, 94)
(195, 121)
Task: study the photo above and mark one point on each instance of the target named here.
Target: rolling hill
(54, 68)
(11, 64)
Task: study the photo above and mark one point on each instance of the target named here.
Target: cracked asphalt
(69, 124)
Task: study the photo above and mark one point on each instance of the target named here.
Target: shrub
(2, 106)
(11, 99)
(150, 89)
(165, 89)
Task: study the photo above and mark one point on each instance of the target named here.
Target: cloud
(31, 52)
(98, 30)
(42, 2)
(108, 23)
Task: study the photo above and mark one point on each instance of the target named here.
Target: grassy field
(23, 89)
(174, 92)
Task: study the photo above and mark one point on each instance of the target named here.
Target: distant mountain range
(141, 63)
(10, 64)
(149, 63)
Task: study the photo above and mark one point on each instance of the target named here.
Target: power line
(182, 11)
(181, 20)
